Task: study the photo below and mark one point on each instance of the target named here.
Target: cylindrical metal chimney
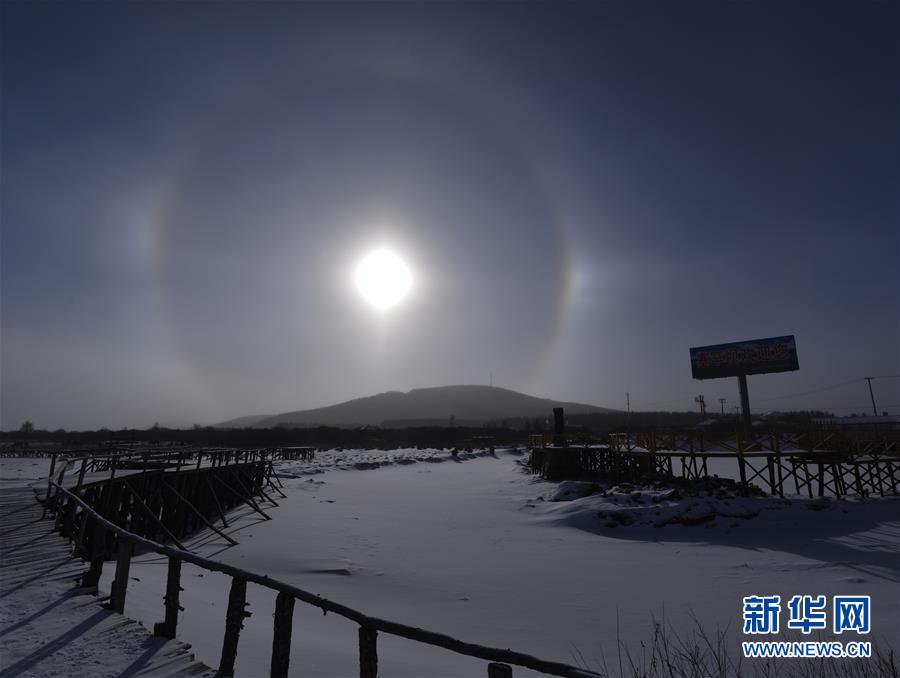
(559, 427)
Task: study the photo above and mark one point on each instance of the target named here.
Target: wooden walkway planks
(49, 626)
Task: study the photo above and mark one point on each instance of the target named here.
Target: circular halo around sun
(383, 279)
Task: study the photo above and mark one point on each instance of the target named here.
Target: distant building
(882, 423)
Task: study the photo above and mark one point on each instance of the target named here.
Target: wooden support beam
(49, 485)
(81, 475)
(272, 472)
(368, 653)
(268, 498)
(120, 584)
(149, 512)
(247, 500)
(234, 622)
(198, 514)
(218, 505)
(107, 497)
(167, 628)
(276, 488)
(281, 638)
(243, 487)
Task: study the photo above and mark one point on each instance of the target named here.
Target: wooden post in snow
(167, 628)
(234, 622)
(91, 578)
(368, 653)
(281, 638)
(49, 485)
(120, 584)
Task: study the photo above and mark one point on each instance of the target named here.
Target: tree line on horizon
(503, 432)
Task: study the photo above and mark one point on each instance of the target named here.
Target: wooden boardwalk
(49, 626)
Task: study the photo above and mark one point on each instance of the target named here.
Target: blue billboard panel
(757, 356)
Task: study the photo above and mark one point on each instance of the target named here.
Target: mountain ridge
(465, 403)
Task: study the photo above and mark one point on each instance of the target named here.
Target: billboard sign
(757, 356)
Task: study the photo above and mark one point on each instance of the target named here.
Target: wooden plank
(281, 637)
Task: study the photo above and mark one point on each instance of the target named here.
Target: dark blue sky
(583, 191)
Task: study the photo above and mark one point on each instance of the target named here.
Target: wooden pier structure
(817, 463)
(161, 495)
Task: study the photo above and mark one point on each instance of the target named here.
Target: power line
(788, 395)
(818, 390)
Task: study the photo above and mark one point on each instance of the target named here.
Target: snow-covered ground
(22, 471)
(477, 549)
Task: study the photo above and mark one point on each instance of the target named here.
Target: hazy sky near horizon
(582, 191)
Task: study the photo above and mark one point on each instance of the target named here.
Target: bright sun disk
(383, 279)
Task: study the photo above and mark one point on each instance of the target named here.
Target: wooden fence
(500, 660)
(815, 462)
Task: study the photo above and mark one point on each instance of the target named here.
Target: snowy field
(22, 471)
(477, 549)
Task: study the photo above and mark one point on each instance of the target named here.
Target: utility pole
(628, 420)
(700, 399)
(492, 380)
(722, 402)
(872, 396)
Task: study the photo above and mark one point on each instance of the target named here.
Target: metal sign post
(745, 405)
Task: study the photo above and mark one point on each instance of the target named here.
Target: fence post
(120, 584)
(368, 653)
(166, 629)
(82, 532)
(81, 473)
(234, 622)
(281, 638)
(91, 578)
(49, 485)
(497, 670)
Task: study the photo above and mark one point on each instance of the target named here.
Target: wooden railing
(818, 461)
(369, 627)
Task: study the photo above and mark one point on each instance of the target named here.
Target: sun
(383, 279)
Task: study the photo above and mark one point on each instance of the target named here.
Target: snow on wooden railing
(284, 607)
